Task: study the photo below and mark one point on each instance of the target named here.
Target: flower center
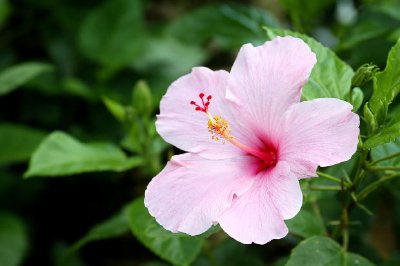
(220, 129)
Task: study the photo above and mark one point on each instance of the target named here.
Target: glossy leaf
(13, 77)
(319, 250)
(18, 142)
(112, 34)
(178, 249)
(60, 154)
(306, 224)
(13, 240)
(330, 77)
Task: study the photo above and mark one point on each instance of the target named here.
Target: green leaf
(112, 33)
(76, 87)
(115, 226)
(228, 26)
(305, 224)
(356, 260)
(142, 99)
(115, 108)
(330, 77)
(60, 154)
(168, 57)
(357, 97)
(13, 240)
(319, 250)
(18, 142)
(178, 249)
(386, 88)
(385, 134)
(17, 75)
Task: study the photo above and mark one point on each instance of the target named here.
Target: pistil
(219, 129)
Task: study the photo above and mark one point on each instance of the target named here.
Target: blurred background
(80, 84)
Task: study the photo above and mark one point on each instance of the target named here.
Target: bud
(142, 99)
(364, 74)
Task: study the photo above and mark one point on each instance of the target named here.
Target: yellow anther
(219, 128)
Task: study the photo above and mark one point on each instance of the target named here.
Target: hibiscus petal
(320, 132)
(191, 192)
(284, 190)
(266, 80)
(257, 216)
(179, 124)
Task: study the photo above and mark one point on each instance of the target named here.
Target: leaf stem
(397, 154)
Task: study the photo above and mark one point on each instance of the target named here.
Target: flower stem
(209, 255)
(345, 229)
(329, 177)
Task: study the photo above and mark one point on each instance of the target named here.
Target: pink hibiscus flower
(248, 140)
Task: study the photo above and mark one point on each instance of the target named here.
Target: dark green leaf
(5, 10)
(330, 77)
(78, 88)
(233, 253)
(386, 88)
(390, 8)
(178, 249)
(306, 224)
(115, 226)
(13, 240)
(112, 34)
(230, 26)
(319, 250)
(15, 76)
(60, 154)
(303, 13)
(17, 142)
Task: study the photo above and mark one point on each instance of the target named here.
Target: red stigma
(205, 104)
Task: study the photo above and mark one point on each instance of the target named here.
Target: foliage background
(80, 84)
